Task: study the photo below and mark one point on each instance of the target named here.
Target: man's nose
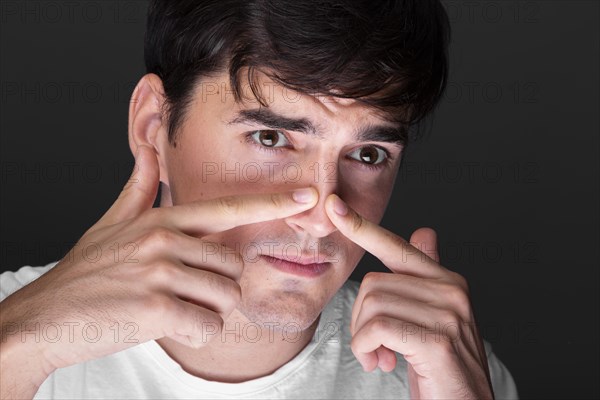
(315, 222)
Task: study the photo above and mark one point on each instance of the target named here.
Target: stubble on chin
(288, 309)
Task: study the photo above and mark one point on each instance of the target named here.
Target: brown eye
(369, 155)
(268, 138)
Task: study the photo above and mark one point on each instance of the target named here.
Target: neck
(241, 352)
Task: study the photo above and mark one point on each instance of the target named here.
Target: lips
(301, 266)
(304, 260)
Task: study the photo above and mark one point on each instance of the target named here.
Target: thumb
(139, 192)
(425, 239)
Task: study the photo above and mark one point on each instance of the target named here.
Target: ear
(146, 123)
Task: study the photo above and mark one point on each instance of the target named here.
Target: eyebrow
(371, 133)
(388, 134)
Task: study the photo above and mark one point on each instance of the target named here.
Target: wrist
(22, 367)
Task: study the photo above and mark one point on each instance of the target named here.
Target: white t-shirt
(325, 368)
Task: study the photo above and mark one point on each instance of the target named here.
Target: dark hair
(391, 55)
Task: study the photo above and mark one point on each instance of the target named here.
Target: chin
(282, 311)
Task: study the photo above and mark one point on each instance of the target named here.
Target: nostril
(296, 226)
(315, 226)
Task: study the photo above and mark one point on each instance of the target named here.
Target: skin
(269, 297)
(171, 295)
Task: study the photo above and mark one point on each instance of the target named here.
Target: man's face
(229, 148)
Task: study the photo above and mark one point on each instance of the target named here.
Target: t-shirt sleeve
(11, 281)
(502, 381)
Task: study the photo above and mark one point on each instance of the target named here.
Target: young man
(275, 130)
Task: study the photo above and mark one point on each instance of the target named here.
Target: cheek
(200, 172)
(368, 194)
(370, 202)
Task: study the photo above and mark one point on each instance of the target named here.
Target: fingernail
(339, 206)
(303, 195)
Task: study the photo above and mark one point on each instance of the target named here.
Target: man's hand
(421, 310)
(145, 273)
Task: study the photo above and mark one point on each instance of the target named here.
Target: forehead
(216, 92)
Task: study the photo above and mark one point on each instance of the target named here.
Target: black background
(507, 175)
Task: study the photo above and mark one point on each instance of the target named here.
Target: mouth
(301, 267)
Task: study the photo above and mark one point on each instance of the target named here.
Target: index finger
(392, 250)
(223, 213)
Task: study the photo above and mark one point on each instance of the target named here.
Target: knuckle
(450, 334)
(235, 261)
(160, 305)
(357, 222)
(354, 345)
(276, 200)
(161, 272)
(400, 243)
(229, 291)
(218, 321)
(235, 294)
(370, 280)
(240, 266)
(206, 324)
(232, 295)
(216, 282)
(372, 300)
(460, 280)
(458, 299)
(448, 317)
(158, 236)
(229, 205)
(380, 323)
(212, 281)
